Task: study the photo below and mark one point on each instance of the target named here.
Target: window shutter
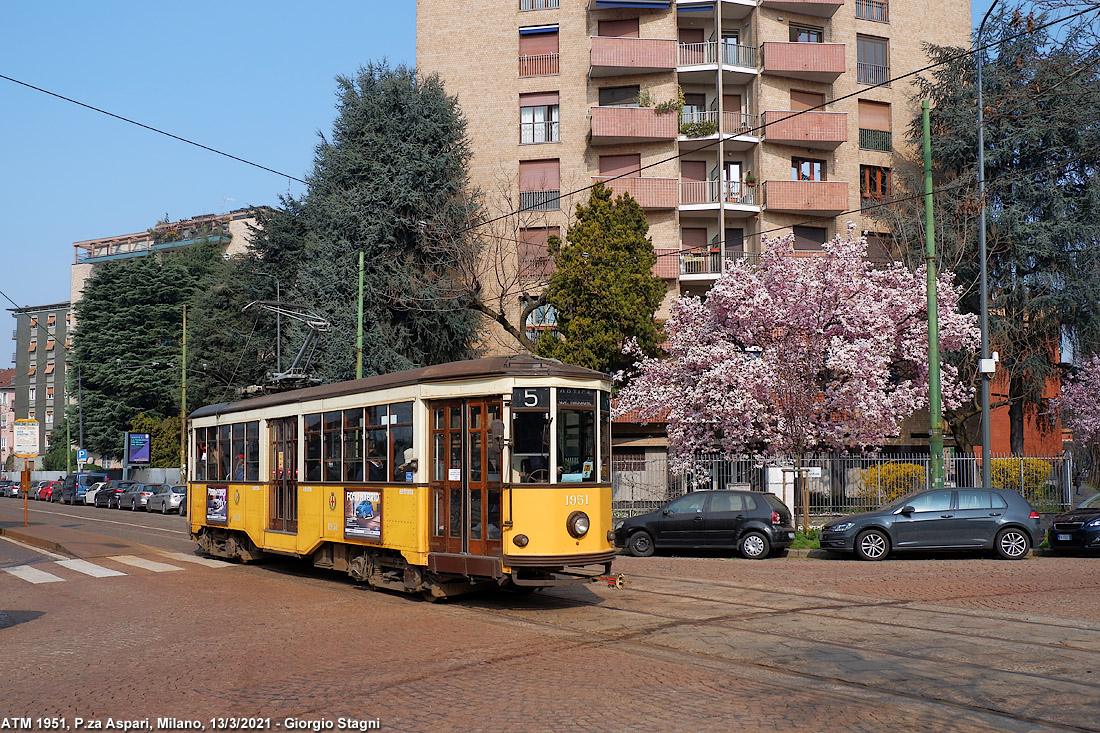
(538, 99)
(874, 116)
(619, 165)
(539, 175)
(535, 44)
(805, 100)
(627, 28)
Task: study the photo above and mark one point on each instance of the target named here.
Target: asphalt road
(151, 630)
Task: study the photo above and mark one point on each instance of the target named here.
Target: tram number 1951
(576, 500)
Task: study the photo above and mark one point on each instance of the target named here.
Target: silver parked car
(167, 498)
(136, 496)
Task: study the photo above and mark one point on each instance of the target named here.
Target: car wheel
(872, 545)
(133, 505)
(1012, 543)
(754, 546)
(163, 508)
(640, 544)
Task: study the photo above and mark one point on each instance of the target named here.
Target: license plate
(1064, 537)
(790, 535)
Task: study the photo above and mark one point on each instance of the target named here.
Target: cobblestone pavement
(691, 643)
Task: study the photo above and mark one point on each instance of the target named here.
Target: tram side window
(225, 452)
(531, 435)
(605, 436)
(331, 428)
(313, 447)
(353, 445)
(228, 452)
(401, 437)
(378, 418)
(576, 435)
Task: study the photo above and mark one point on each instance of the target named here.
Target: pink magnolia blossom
(1080, 402)
(797, 353)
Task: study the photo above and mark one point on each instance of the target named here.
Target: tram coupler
(613, 581)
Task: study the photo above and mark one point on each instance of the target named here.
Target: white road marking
(33, 575)
(88, 568)
(39, 550)
(137, 562)
(208, 562)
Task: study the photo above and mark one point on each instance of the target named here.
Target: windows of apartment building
(695, 108)
(735, 242)
(872, 60)
(620, 96)
(807, 169)
(33, 345)
(538, 118)
(538, 4)
(50, 343)
(801, 101)
(538, 50)
(808, 239)
(874, 126)
(68, 318)
(625, 28)
(51, 320)
(539, 185)
(612, 166)
(49, 416)
(876, 10)
(693, 182)
(31, 370)
(807, 34)
(693, 47)
(874, 184)
(695, 251)
(30, 414)
(49, 368)
(534, 257)
(49, 393)
(31, 394)
(879, 247)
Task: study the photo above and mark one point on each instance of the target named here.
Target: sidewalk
(64, 541)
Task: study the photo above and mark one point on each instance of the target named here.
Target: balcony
(549, 200)
(819, 8)
(822, 62)
(697, 54)
(650, 193)
(824, 130)
(873, 74)
(875, 140)
(617, 56)
(696, 193)
(806, 197)
(612, 125)
(873, 10)
(541, 64)
(710, 263)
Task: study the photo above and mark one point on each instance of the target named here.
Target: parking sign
(82, 456)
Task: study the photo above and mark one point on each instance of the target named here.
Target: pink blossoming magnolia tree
(1079, 402)
(798, 353)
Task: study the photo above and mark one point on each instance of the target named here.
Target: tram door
(283, 504)
(466, 477)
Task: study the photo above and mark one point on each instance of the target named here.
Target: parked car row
(95, 489)
(757, 525)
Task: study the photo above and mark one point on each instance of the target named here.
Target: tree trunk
(1016, 417)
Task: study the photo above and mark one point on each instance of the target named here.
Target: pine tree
(604, 290)
(394, 169)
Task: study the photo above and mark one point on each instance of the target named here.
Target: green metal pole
(359, 327)
(935, 414)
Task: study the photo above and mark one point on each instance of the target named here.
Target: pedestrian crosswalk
(105, 567)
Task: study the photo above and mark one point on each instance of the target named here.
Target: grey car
(940, 519)
(167, 499)
(136, 496)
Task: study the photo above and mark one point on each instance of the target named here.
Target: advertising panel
(363, 515)
(217, 504)
(138, 448)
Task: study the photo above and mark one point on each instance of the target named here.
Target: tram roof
(520, 365)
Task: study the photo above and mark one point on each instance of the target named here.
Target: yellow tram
(432, 481)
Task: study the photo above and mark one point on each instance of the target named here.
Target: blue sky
(252, 78)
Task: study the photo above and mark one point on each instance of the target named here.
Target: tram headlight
(577, 524)
(520, 540)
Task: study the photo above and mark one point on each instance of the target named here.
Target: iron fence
(837, 484)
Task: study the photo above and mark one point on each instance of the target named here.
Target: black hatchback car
(940, 519)
(1077, 529)
(754, 523)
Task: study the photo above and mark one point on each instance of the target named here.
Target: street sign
(82, 456)
(26, 438)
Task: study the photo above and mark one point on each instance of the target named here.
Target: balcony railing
(540, 200)
(740, 123)
(811, 129)
(694, 54)
(736, 192)
(613, 55)
(806, 197)
(873, 10)
(872, 74)
(734, 54)
(823, 62)
(611, 125)
(541, 64)
(875, 140)
(650, 193)
(538, 4)
(699, 192)
(708, 262)
(538, 132)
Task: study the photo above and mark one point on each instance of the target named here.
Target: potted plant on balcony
(750, 179)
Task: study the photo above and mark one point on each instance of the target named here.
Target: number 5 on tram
(434, 481)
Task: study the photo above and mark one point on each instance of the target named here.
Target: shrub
(700, 128)
(885, 482)
(1029, 476)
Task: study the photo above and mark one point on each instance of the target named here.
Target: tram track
(647, 642)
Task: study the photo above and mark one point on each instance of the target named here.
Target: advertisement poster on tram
(217, 504)
(363, 515)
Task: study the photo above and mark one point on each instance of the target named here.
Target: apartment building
(42, 342)
(690, 106)
(7, 415)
